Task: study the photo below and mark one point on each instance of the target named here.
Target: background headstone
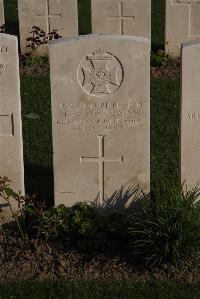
(11, 145)
(190, 114)
(182, 24)
(2, 21)
(100, 111)
(61, 15)
(129, 17)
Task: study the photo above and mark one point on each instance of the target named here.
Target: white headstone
(190, 114)
(11, 146)
(128, 17)
(2, 21)
(182, 24)
(49, 15)
(100, 111)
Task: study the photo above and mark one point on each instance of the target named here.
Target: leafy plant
(39, 37)
(159, 59)
(3, 28)
(7, 194)
(167, 228)
(62, 222)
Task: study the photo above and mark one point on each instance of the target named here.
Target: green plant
(167, 228)
(39, 37)
(63, 222)
(8, 195)
(3, 28)
(159, 59)
(30, 60)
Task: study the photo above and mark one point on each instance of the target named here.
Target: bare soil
(20, 260)
(171, 71)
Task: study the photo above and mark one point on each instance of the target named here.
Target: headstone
(190, 114)
(11, 146)
(182, 24)
(128, 17)
(100, 111)
(2, 21)
(49, 15)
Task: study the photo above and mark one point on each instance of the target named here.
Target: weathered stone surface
(2, 21)
(11, 147)
(49, 15)
(100, 111)
(182, 24)
(190, 114)
(128, 17)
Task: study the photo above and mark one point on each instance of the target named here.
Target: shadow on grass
(39, 181)
(84, 12)
(11, 17)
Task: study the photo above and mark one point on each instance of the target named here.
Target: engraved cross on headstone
(101, 160)
(191, 9)
(48, 16)
(121, 18)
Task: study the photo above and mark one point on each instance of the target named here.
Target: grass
(92, 289)
(165, 96)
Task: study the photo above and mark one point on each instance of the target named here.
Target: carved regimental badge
(100, 73)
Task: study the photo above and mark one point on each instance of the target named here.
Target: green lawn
(99, 290)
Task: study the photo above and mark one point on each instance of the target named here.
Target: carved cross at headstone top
(121, 18)
(191, 11)
(48, 16)
(101, 160)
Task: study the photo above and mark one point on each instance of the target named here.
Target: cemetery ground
(52, 260)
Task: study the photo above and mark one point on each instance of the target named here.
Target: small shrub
(39, 37)
(159, 59)
(81, 225)
(7, 194)
(63, 222)
(3, 28)
(167, 229)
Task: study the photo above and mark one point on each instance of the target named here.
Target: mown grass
(92, 289)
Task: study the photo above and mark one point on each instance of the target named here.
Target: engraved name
(102, 116)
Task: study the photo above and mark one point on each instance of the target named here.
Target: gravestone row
(100, 113)
(128, 17)
(100, 88)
